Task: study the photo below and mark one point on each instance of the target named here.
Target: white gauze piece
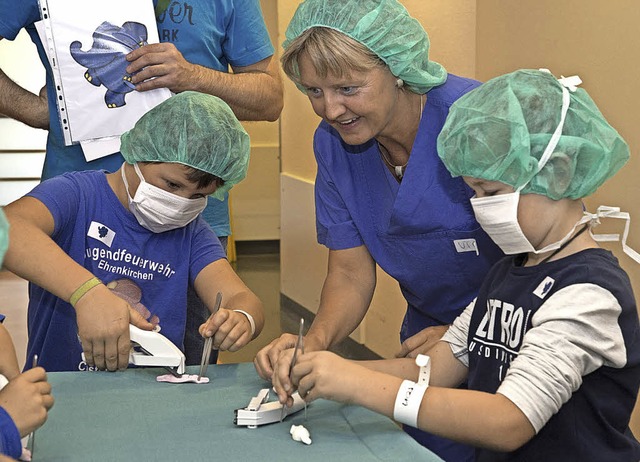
(299, 433)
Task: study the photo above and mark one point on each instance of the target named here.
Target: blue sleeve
(61, 196)
(247, 39)
(17, 15)
(334, 224)
(205, 248)
(10, 443)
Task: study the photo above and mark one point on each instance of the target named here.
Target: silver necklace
(398, 169)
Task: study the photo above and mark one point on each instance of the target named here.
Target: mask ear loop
(126, 183)
(604, 211)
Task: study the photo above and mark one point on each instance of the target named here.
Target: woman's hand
(421, 342)
(267, 358)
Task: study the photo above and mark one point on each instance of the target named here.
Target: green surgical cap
(193, 129)
(383, 26)
(498, 132)
(4, 235)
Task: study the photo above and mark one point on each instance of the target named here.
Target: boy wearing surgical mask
(550, 347)
(105, 250)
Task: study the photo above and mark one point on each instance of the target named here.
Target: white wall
(21, 147)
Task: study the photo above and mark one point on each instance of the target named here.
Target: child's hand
(280, 378)
(27, 398)
(103, 327)
(322, 374)
(230, 330)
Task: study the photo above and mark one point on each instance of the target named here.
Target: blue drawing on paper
(105, 61)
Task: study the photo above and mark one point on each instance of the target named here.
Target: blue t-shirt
(217, 34)
(213, 34)
(10, 444)
(421, 231)
(151, 271)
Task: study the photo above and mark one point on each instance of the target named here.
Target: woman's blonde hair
(331, 52)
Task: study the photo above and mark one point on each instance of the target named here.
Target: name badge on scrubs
(466, 245)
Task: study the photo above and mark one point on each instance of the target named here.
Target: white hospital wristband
(251, 321)
(408, 402)
(424, 363)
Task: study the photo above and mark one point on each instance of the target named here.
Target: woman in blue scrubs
(382, 194)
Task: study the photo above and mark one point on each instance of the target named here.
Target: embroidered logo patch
(466, 245)
(101, 232)
(544, 287)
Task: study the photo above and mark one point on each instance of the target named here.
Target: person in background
(123, 247)
(25, 399)
(551, 345)
(200, 41)
(382, 195)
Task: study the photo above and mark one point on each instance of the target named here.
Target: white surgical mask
(498, 215)
(158, 210)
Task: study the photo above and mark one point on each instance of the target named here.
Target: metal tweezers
(31, 442)
(206, 352)
(299, 347)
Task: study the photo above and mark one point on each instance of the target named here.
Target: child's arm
(103, 318)
(231, 329)
(477, 418)
(446, 370)
(8, 360)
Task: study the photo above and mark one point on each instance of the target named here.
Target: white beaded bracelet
(251, 321)
(408, 401)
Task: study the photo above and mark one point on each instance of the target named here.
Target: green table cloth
(128, 416)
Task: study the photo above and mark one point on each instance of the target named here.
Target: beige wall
(255, 202)
(298, 121)
(451, 26)
(596, 40)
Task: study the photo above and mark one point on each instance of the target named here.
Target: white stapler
(259, 412)
(150, 348)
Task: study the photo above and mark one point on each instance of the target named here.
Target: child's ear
(562, 169)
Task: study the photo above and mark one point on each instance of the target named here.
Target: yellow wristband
(83, 289)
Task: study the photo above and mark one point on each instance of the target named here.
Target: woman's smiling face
(360, 106)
